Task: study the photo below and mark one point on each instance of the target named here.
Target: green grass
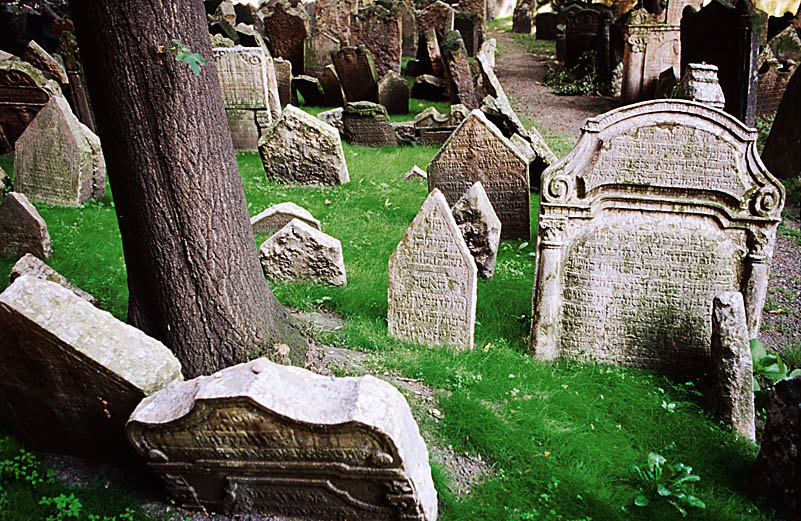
(504, 23)
(416, 106)
(558, 438)
(535, 46)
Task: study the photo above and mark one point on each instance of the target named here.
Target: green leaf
(758, 350)
(641, 501)
(695, 502)
(663, 491)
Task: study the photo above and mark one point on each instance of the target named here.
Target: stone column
(755, 280)
(545, 316)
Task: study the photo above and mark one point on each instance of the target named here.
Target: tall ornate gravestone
(728, 37)
(432, 281)
(243, 75)
(379, 30)
(661, 206)
(587, 40)
(23, 92)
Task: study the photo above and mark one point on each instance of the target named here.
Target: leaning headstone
(457, 71)
(545, 26)
(263, 438)
(300, 252)
(22, 229)
(477, 151)
(287, 28)
(671, 208)
(378, 28)
(366, 123)
(781, 152)
(79, 94)
(433, 128)
(310, 88)
(487, 52)
(356, 72)
(279, 215)
(70, 374)
(332, 88)
(779, 461)
(408, 27)
(301, 149)
(438, 16)
(480, 228)
(732, 372)
(415, 173)
(25, 91)
(32, 266)
(283, 78)
(432, 281)
(41, 59)
(317, 51)
(700, 83)
(393, 93)
(429, 53)
(58, 160)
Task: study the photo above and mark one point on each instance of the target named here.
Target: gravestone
(333, 117)
(317, 53)
(728, 36)
(522, 18)
(430, 88)
(23, 92)
(42, 60)
(479, 9)
(433, 128)
(545, 24)
(408, 27)
(587, 33)
(457, 71)
(432, 281)
(366, 123)
(334, 17)
(487, 52)
(781, 152)
(301, 149)
(32, 266)
(477, 151)
(661, 206)
(393, 93)
(700, 83)
(287, 28)
(70, 374)
(22, 229)
(310, 88)
(564, 14)
(378, 28)
(263, 438)
(415, 172)
(57, 160)
(773, 79)
(356, 72)
(77, 86)
(332, 88)
(248, 36)
(225, 11)
(279, 215)
(480, 228)
(467, 26)
(283, 78)
(438, 16)
(429, 54)
(301, 252)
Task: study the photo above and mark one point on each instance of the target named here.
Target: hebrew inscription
(243, 76)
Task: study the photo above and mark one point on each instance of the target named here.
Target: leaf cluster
(184, 54)
(769, 368)
(660, 481)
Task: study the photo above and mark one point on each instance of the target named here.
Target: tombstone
(300, 149)
(433, 128)
(432, 281)
(333, 117)
(283, 77)
(773, 79)
(404, 132)
(478, 8)
(428, 87)
(700, 83)
(218, 40)
(356, 72)
(415, 172)
(57, 160)
(225, 11)
(672, 208)
(249, 37)
(332, 88)
(317, 50)
(311, 90)
(42, 60)
(522, 18)
(279, 215)
(334, 17)
(545, 24)
(477, 151)
(70, 374)
(487, 52)
(393, 93)
(299, 251)
(287, 28)
(408, 27)
(23, 92)
(779, 459)
(366, 123)
(457, 71)
(379, 29)
(263, 438)
(438, 16)
(467, 26)
(429, 54)
(480, 228)
(784, 141)
(32, 266)
(22, 229)
(728, 37)
(563, 16)
(588, 32)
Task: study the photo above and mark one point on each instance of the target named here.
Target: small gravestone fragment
(283, 78)
(70, 374)
(433, 128)
(404, 130)
(279, 215)
(332, 88)
(480, 228)
(299, 252)
(218, 40)
(57, 160)
(33, 266)
(415, 173)
(309, 87)
(700, 83)
(432, 281)
(333, 117)
(22, 229)
(357, 74)
(301, 149)
(263, 438)
(366, 123)
(393, 93)
(732, 372)
(41, 59)
(429, 87)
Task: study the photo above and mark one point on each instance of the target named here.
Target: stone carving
(32, 266)
(57, 160)
(287, 28)
(415, 172)
(70, 374)
(22, 229)
(393, 93)
(279, 215)
(784, 141)
(356, 72)
(700, 83)
(641, 226)
(432, 281)
(301, 149)
(480, 228)
(262, 438)
(477, 151)
(366, 123)
(378, 28)
(317, 53)
(299, 252)
(433, 128)
(23, 93)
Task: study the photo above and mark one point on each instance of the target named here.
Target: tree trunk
(194, 277)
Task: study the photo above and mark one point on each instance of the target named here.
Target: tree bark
(194, 277)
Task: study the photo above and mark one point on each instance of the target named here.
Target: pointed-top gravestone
(22, 229)
(301, 149)
(57, 160)
(480, 228)
(477, 151)
(279, 215)
(432, 281)
(415, 173)
(264, 438)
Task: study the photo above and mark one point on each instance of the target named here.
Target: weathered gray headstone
(70, 374)
(283, 78)
(279, 215)
(301, 149)
(263, 438)
(356, 72)
(477, 151)
(393, 93)
(432, 281)
(661, 206)
(22, 229)
(57, 160)
(378, 28)
(299, 252)
(480, 228)
(33, 266)
(366, 123)
(700, 83)
(317, 53)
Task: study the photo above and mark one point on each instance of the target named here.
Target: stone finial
(299, 252)
(480, 228)
(700, 83)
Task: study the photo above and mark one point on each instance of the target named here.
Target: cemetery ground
(510, 437)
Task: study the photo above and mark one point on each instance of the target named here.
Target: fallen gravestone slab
(480, 228)
(299, 252)
(33, 266)
(263, 438)
(22, 229)
(70, 374)
(431, 297)
(415, 173)
(279, 215)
